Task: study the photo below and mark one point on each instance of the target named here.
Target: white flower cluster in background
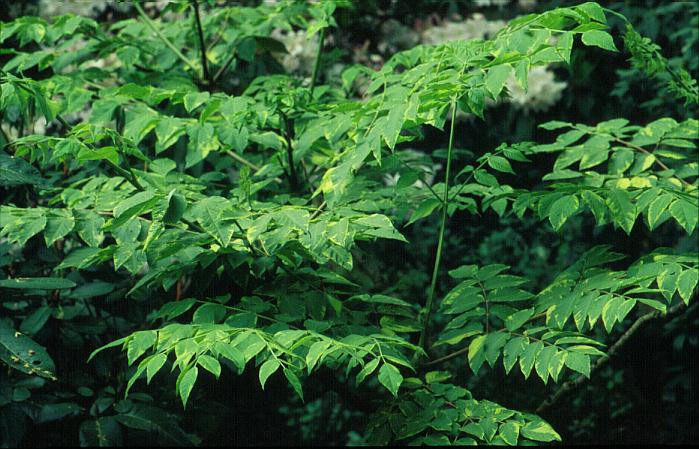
(51, 8)
(475, 27)
(524, 4)
(301, 50)
(543, 89)
(89, 8)
(484, 3)
(542, 93)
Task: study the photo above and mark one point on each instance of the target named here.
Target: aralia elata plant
(235, 195)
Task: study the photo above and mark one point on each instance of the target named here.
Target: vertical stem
(487, 308)
(3, 135)
(321, 41)
(202, 46)
(292, 167)
(162, 37)
(293, 179)
(281, 164)
(307, 178)
(435, 271)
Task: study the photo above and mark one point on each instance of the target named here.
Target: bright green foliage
(646, 56)
(264, 190)
(237, 340)
(435, 413)
(624, 171)
(546, 331)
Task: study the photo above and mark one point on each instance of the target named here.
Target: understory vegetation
(348, 223)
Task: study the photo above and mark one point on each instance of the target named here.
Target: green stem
(6, 139)
(202, 46)
(378, 345)
(223, 68)
(124, 173)
(133, 179)
(657, 161)
(162, 37)
(464, 350)
(419, 174)
(440, 242)
(316, 65)
(470, 176)
(318, 211)
(290, 151)
(244, 161)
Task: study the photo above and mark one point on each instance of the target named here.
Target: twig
(216, 39)
(464, 350)
(473, 172)
(162, 37)
(223, 68)
(613, 350)
(449, 356)
(657, 161)
(419, 174)
(318, 211)
(244, 161)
